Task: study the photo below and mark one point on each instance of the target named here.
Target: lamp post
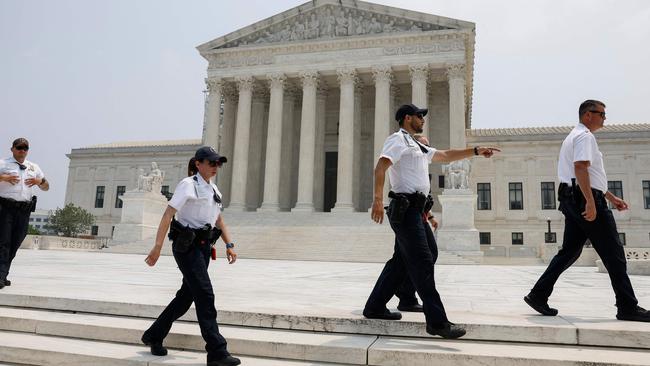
(548, 221)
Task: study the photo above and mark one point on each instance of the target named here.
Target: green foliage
(71, 220)
(33, 231)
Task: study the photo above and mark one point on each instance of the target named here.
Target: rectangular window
(646, 194)
(99, 197)
(484, 196)
(441, 181)
(120, 191)
(615, 187)
(548, 195)
(94, 230)
(516, 196)
(621, 237)
(517, 238)
(165, 192)
(31, 219)
(38, 220)
(484, 238)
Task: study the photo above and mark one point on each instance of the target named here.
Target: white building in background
(39, 220)
(302, 102)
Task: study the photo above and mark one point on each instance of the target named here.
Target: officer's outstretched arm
(163, 228)
(377, 213)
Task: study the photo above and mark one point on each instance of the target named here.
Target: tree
(33, 231)
(71, 220)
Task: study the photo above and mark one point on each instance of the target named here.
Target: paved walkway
(307, 288)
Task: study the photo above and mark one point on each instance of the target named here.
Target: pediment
(332, 19)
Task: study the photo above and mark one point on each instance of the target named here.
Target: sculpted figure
(341, 26)
(328, 24)
(457, 174)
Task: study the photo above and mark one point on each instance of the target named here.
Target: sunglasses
(215, 163)
(22, 148)
(602, 114)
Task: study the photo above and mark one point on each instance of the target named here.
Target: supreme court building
(302, 102)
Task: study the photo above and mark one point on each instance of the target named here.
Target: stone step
(264, 342)
(35, 349)
(392, 351)
(486, 327)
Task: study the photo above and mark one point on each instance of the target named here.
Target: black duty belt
(16, 205)
(416, 200)
(566, 190)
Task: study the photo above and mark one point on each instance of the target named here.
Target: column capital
(276, 80)
(229, 92)
(419, 72)
(456, 71)
(214, 85)
(244, 83)
(382, 74)
(309, 78)
(322, 91)
(347, 76)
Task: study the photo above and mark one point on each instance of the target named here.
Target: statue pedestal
(141, 213)
(457, 233)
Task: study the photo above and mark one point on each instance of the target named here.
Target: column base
(343, 207)
(304, 207)
(269, 207)
(236, 207)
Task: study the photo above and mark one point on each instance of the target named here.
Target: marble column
(420, 94)
(257, 147)
(345, 171)
(456, 77)
(211, 121)
(319, 162)
(289, 159)
(271, 201)
(242, 141)
(226, 145)
(307, 143)
(382, 76)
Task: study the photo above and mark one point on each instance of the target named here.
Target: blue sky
(77, 73)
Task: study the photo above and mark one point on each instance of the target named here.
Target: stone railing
(637, 253)
(62, 243)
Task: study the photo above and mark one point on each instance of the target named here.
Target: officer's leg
(18, 233)
(604, 237)
(406, 291)
(176, 308)
(572, 244)
(195, 273)
(418, 259)
(6, 222)
(389, 280)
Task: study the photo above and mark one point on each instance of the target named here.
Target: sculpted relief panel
(331, 22)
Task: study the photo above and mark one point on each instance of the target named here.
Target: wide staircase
(39, 330)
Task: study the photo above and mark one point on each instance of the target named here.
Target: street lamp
(549, 235)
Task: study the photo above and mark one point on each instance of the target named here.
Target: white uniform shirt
(410, 170)
(581, 145)
(194, 201)
(19, 191)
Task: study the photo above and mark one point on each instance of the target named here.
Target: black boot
(157, 349)
(226, 361)
(539, 305)
(448, 330)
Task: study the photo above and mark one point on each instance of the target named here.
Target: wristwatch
(475, 150)
(230, 245)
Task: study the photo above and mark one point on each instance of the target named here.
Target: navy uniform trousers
(14, 222)
(604, 238)
(196, 288)
(415, 254)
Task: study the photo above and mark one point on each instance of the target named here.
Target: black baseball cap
(409, 109)
(208, 153)
(21, 141)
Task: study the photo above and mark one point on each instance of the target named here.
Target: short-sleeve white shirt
(410, 170)
(19, 191)
(581, 145)
(194, 202)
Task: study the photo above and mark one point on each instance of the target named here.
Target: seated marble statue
(457, 174)
(151, 182)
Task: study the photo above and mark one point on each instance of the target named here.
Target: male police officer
(583, 194)
(409, 160)
(18, 177)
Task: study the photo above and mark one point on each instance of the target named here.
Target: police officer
(408, 161)
(583, 199)
(197, 205)
(18, 178)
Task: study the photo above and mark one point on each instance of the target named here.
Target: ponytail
(191, 167)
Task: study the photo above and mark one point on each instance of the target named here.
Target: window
(120, 192)
(484, 238)
(621, 238)
(38, 219)
(484, 196)
(165, 192)
(517, 238)
(548, 195)
(99, 197)
(616, 188)
(646, 194)
(46, 220)
(31, 219)
(94, 230)
(441, 181)
(516, 196)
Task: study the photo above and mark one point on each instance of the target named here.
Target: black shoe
(415, 308)
(448, 331)
(7, 283)
(539, 306)
(226, 361)
(637, 315)
(387, 315)
(157, 349)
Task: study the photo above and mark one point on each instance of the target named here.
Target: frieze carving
(332, 22)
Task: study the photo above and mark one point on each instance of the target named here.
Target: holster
(428, 204)
(182, 237)
(397, 208)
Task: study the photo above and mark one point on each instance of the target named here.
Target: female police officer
(197, 205)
